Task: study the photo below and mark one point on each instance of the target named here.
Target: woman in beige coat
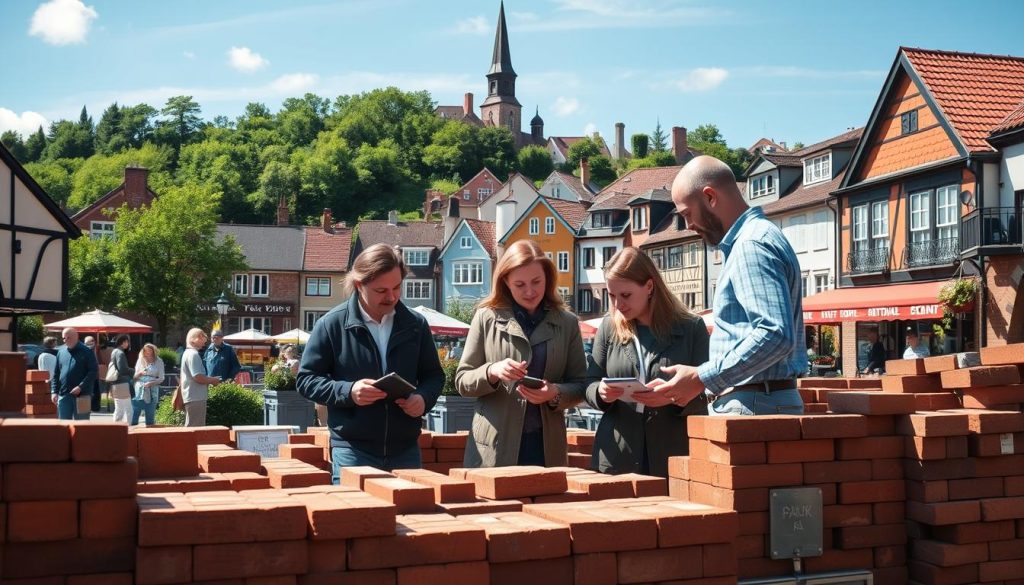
(522, 329)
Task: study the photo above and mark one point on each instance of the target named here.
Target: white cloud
(564, 106)
(25, 124)
(245, 60)
(62, 22)
(617, 14)
(189, 55)
(589, 129)
(293, 83)
(474, 25)
(702, 79)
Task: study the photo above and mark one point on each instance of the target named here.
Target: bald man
(757, 347)
(73, 376)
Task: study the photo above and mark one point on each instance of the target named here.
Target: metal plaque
(796, 523)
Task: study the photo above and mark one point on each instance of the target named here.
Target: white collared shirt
(381, 333)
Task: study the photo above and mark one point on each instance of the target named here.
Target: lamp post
(222, 308)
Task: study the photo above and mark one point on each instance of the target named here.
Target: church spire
(501, 60)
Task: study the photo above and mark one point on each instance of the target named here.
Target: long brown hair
(517, 255)
(665, 308)
(372, 262)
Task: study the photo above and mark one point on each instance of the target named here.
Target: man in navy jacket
(361, 340)
(73, 376)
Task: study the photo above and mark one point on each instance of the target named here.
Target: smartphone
(532, 383)
(395, 386)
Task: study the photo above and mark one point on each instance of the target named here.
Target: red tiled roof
(484, 231)
(572, 212)
(668, 231)
(975, 92)
(402, 234)
(328, 252)
(781, 160)
(1012, 121)
(767, 142)
(636, 182)
(803, 196)
(576, 184)
(457, 113)
(848, 136)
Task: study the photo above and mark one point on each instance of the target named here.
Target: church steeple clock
(501, 108)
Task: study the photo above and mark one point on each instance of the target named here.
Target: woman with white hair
(195, 383)
(149, 373)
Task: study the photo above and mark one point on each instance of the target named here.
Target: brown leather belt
(768, 386)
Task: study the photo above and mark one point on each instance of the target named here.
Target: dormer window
(601, 220)
(818, 169)
(762, 186)
(639, 218)
(908, 122)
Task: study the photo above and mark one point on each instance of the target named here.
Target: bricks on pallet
(67, 481)
(306, 453)
(289, 473)
(228, 461)
(517, 536)
(934, 424)
(204, 482)
(911, 384)
(1004, 354)
(165, 452)
(421, 540)
(558, 571)
(68, 557)
(355, 476)
(833, 426)
(42, 521)
(926, 401)
(871, 403)
(108, 518)
(95, 441)
(31, 440)
(343, 515)
(407, 496)
(450, 440)
(745, 429)
(446, 489)
(981, 376)
(503, 483)
(601, 528)
(260, 559)
(993, 397)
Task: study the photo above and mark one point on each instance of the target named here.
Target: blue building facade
(467, 260)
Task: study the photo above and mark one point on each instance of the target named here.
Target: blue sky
(792, 71)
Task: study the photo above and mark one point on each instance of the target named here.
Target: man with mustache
(757, 346)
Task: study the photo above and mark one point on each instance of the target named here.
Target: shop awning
(874, 303)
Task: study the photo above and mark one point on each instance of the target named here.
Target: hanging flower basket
(958, 296)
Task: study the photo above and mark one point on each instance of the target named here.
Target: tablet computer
(395, 386)
(630, 386)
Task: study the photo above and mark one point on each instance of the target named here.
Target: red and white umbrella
(441, 324)
(100, 322)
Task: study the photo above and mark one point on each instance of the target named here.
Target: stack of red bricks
(442, 451)
(67, 510)
(965, 486)
(856, 462)
(581, 446)
(37, 394)
(815, 391)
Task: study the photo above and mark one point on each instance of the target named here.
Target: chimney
(451, 219)
(392, 217)
(679, 144)
(467, 103)
(135, 186)
(585, 172)
(282, 211)
(327, 222)
(620, 141)
(596, 136)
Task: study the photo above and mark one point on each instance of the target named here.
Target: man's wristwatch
(554, 402)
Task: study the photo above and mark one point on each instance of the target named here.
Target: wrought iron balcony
(993, 228)
(873, 260)
(936, 252)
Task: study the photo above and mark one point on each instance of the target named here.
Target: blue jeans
(350, 457)
(754, 402)
(67, 408)
(139, 405)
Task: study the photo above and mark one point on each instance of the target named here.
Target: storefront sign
(252, 309)
(904, 312)
(685, 286)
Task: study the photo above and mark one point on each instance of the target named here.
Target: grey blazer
(625, 437)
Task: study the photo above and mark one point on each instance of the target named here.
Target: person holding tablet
(646, 328)
(524, 362)
(359, 342)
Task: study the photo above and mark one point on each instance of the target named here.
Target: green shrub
(449, 365)
(282, 379)
(30, 329)
(229, 405)
(169, 356)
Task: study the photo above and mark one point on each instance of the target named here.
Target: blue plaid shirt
(759, 322)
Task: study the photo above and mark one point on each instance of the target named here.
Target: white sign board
(260, 439)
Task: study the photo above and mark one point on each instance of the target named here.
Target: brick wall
(1004, 277)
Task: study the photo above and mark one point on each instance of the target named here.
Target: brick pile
(442, 452)
(815, 391)
(855, 460)
(581, 446)
(37, 394)
(67, 508)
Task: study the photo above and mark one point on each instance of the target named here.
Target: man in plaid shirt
(757, 347)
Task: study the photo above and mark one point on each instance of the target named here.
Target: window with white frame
(605, 303)
(534, 226)
(467, 273)
(586, 301)
(820, 282)
(675, 257)
(820, 229)
(716, 255)
(563, 262)
(606, 254)
(258, 323)
(483, 193)
(658, 256)
(880, 225)
(639, 218)
(796, 233)
(549, 225)
(416, 256)
(860, 228)
(805, 283)
(101, 229)
(417, 290)
(260, 285)
(947, 207)
(311, 317)
(318, 286)
(691, 254)
(588, 257)
(465, 194)
(818, 169)
(689, 300)
(762, 186)
(600, 220)
(240, 285)
(465, 242)
(920, 217)
(566, 295)
(555, 192)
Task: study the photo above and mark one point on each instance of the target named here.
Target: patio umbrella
(708, 316)
(297, 336)
(441, 324)
(587, 330)
(100, 322)
(250, 335)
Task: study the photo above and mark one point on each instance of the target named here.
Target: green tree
(30, 328)
(99, 174)
(12, 140)
(498, 150)
(108, 131)
(640, 144)
(705, 134)
(90, 273)
(278, 180)
(585, 148)
(35, 145)
(327, 177)
(229, 168)
(447, 186)
(379, 172)
(455, 150)
(137, 124)
(54, 178)
(87, 128)
(66, 139)
(169, 257)
(181, 124)
(601, 171)
(797, 145)
(301, 119)
(535, 162)
(659, 140)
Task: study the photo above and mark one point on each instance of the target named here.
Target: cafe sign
(252, 309)
(886, 313)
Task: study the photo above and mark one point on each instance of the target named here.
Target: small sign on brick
(796, 523)
(261, 440)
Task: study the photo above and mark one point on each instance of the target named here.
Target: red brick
(428, 456)
(975, 532)
(929, 574)
(889, 512)
(934, 424)
(744, 500)
(911, 384)
(1004, 550)
(251, 559)
(326, 556)
(748, 429)
(408, 497)
(873, 403)
(1014, 486)
(869, 448)
(102, 579)
(998, 466)
(927, 401)
(687, 523)
(480, 506)
(944, 513)
(940, 363)
(446, 489)
(887, 469)
(736, 453)
(646, 485)
(601, 528)
(108, 518)
(568, 496)
(375, 577)
(833, 426)
(601, 487)
(425, 440)
(302, 439)
(956, 447)
(881, 425)
(450, 455)
(312, 454)
(904, 367)
(98, 442)
(837, 471)
(996, 570)
(355, 476)
(206, 482)
(864, 383)
(840, 515)
(994, 421)
(679, 488)
(63, 481)
(554, 571)
(753, 476)
(504, 483)
(212, 435)
(436, 541)
(719, 560)
(979, 376)
(804, 450)
(975, 488)
(576, 437)
(289, 473)
(166, 452)
(891, 556)
(993, 397)
(595, 568)
(450, 440)
(517, 536)
(925, 448)
(447, 574)
(944, 554)
(78, 556)
(33, 440)
(859, 492)
(940, 469)
(993, 509)
(1003, 354)
(928, 491)
(42, 521)
(163, 565)
(854, 537)
(347, 515)
(228, 461)
(836, 560)
(645, 566)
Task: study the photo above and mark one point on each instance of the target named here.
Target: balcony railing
(873, 260)
(931, 253)
(992, 226)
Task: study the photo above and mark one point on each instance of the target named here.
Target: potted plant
(957, 296)
(452, 412)
(282, 405)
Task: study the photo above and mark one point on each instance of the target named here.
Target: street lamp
(222, 307)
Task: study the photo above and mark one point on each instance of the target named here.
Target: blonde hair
(517, 255)
(665, 308)
(372, 262)
(194, 335)
(142, 355)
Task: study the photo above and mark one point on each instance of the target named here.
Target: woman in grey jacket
(120, 389)
(646, 329)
